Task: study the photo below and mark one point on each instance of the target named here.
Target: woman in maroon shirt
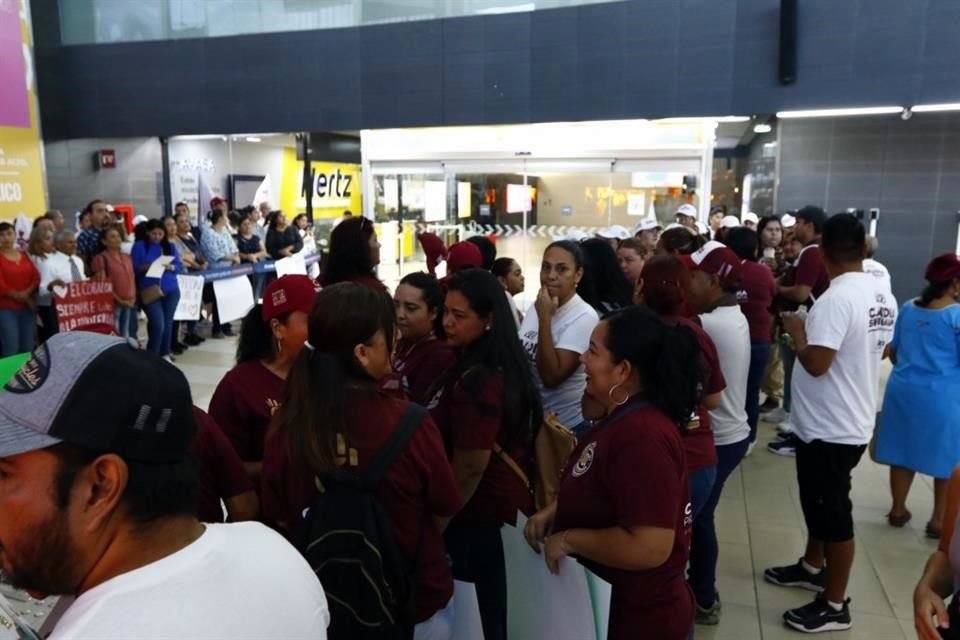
(487, 408)
(623, 508)
(663, 288)
(756, 294)
(271, 337)
(19, 280)
(422, 354)
(335, 415)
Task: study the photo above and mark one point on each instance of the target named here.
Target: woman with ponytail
(335, 415)
(271, 337)
(487, 407)
(623, 508)
(918, 430)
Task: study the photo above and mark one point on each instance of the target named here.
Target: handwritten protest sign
(191, 298)
(85, 306)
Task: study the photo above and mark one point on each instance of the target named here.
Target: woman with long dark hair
(334, 415)
(159, 296)
(422, 354)
(271, 338)
(556, 330)
(510, 276)
(283, 239)
(643, 385)
(354, 254)
(487, 408)
(679, 241)
(604, 286)
(770, 234)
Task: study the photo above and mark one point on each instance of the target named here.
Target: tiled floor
(760, 524)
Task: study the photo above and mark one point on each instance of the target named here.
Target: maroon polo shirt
(756, 294)
(243, 404)
(219, 469)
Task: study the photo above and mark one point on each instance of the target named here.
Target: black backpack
(349, 543)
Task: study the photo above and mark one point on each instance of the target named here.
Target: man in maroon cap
(714, 281)
(462, 255)
(433, 250)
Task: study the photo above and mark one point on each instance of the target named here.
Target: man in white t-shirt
(98, 500)
(839, 347)
(714, 282)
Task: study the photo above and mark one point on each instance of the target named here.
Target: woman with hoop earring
(643, 384)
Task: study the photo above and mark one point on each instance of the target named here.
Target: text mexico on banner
(234, 298)
(85, 306)
(191, 298)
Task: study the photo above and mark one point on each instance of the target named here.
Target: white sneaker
(785, 426)
(750, 449)
(168, 358)
(776, 416)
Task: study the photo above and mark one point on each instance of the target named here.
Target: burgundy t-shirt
(416, 488)
(756, 294)
(811, 272)
(420, 366)
(627, 471)
(243, 404)
(698, 441)
(473, 421)
(219, 469)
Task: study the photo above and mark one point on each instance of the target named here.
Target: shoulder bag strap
(409, 423)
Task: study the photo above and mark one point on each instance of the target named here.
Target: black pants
(824, 471)
(477, 554)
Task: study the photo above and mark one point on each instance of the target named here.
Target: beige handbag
(551, 448)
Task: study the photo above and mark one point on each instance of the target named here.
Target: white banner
(191, 298)
(234, 297)
(292, 265)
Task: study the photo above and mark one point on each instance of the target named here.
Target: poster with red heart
(85, 306)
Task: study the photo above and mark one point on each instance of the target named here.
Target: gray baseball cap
(99, 393)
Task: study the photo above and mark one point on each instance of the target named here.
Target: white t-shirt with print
(730, 332)
(238, 581)
(879, 272)
(855, 318)
(572, 326)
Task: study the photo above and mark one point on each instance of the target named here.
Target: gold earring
(619, 403)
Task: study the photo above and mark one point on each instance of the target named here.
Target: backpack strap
(408, 425)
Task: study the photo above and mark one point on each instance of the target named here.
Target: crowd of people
(105, 246)
(391, 439)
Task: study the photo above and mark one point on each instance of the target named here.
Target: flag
(264, 193)
(204, 196)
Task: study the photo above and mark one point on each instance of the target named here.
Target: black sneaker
(228, 331)
(819, 616)
(795, 575)
(786, 446)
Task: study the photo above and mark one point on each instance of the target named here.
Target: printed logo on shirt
(32, 374)
(688, 516)
(435, 400)
(585, 462)
(529, 343)
(272, 406)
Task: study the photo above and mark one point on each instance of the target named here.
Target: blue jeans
(788, 356)
(759, 353)
(121, 321)
(17, 329)
(701, 485)
(160, 322)
(704, 549)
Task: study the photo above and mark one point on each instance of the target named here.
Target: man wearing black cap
(97, 501)
(839, 347)
(810, 280)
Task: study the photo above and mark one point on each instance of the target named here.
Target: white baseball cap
(788, 221)
(646, 225)
(687, 210)
(576, 235)
(750, 216)
(616, 232)
(677, 225)
(729, 222)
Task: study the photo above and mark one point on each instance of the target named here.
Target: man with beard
(97, 500)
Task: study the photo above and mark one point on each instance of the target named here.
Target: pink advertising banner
(14, 101)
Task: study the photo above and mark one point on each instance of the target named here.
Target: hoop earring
(619, 403)
(279, 347)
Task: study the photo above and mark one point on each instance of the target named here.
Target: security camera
(906, 114)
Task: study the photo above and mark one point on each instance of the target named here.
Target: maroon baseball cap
(943, 269)
(464, 255)
(286, 294)
(215, 201)
(716, 259)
